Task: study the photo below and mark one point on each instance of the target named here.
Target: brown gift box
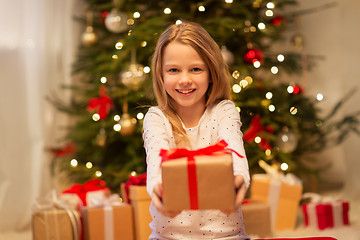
(54, 224)
(114, 222)
(140, 202)
(257, 218)
(282, 198)
(214, 178)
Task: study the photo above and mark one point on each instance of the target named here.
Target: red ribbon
(102, 104)
(134, 181)
(82, 190)
(255, 128)
(69, 149)
(213, 150)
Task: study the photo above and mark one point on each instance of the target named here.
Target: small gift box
(198, 179)
(282, 193)
(140, 202)
(53, 220)
(322, 213)
(108, 220)
(256, 218)
(83, 194)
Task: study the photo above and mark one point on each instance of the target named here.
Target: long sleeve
(230, 131)
(157, 135)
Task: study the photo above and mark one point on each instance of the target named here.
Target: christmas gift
(281, 192)
(108, 219)
(198, 179)
(53, 220)
(82, 194)
(256, 216)
(322, 213)
(140, 202)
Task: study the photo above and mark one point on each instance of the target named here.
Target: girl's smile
(186, 78)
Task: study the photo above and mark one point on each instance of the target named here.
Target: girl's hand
(157, 201)
(240, 190)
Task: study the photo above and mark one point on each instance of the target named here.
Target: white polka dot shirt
(219, 122)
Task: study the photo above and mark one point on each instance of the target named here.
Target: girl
(192, 88)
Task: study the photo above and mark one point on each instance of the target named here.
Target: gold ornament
(133, 77)
(89, 38)
(127, 123)
(115, 21)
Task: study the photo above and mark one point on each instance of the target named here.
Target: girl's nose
(185, 79)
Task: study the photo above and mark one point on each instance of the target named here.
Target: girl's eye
(196, 69)
(173, 70)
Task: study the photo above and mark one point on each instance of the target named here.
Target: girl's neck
(191, 116)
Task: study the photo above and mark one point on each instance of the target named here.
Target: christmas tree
(112, 87)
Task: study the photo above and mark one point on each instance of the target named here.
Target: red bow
(216, 149)
(102, 104)
(255, 129)
(134, 181)
(82, 190)
(69, 149)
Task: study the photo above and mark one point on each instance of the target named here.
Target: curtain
(38, 39)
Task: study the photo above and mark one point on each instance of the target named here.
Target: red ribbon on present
(255, 128)
(89, 186)
(102, 104)
(139, 180)
(217, 149)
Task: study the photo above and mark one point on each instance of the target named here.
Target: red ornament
(103, 16)
(297, 90)
(252, 55)
(277, 21)
(102, 104)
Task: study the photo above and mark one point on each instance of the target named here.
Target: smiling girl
(192, 88)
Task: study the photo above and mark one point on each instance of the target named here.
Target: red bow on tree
(69, 149)
(255, 129)
(102, 104)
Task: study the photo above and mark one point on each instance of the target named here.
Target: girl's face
(186, 77)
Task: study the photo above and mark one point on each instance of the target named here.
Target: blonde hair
(193, 35)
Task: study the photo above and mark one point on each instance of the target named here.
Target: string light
(103, 80)
(178, 22)
(236, 74)
(229, 1)
(261, 26)
(257, 139)
(136, 15)
(117, 127)
(293, 110)
(96, 117)
(243, 83)
(130, 22)
(98, 173)
(249, 79)
(271, 108)
(290, 89)
(115, 56)
(143, 43)
(239, 109)
(117, 118)
(269, 13)
(167, 10)
(133, 173)
(74, 162)
(201, 8)
(119, 45)
(269, 95)
(270, 5)
(280, 58)
(140, 116)
(268, 152)
(146, 69)
(89, 165)
(284, 166)
(256, 64)
(274, 70)
(319, 97)
(236, 88)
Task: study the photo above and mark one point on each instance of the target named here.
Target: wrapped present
(322, 213)
(256, 218)
(137, 180)
(109, 219)
(83, 194)
(140, 202)
(53, 220)
(282, 193)
(198, 179)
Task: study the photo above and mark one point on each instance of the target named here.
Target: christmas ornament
(127, 124)
(277, 21)
(298, 41)
(133, 77)
(227, 55)
(102, 104)
(68, 149)
(255, 129)
(89, 38)
(115, 21)
(252, 55)
(286, 140)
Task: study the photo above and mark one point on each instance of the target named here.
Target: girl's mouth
(185, 91)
